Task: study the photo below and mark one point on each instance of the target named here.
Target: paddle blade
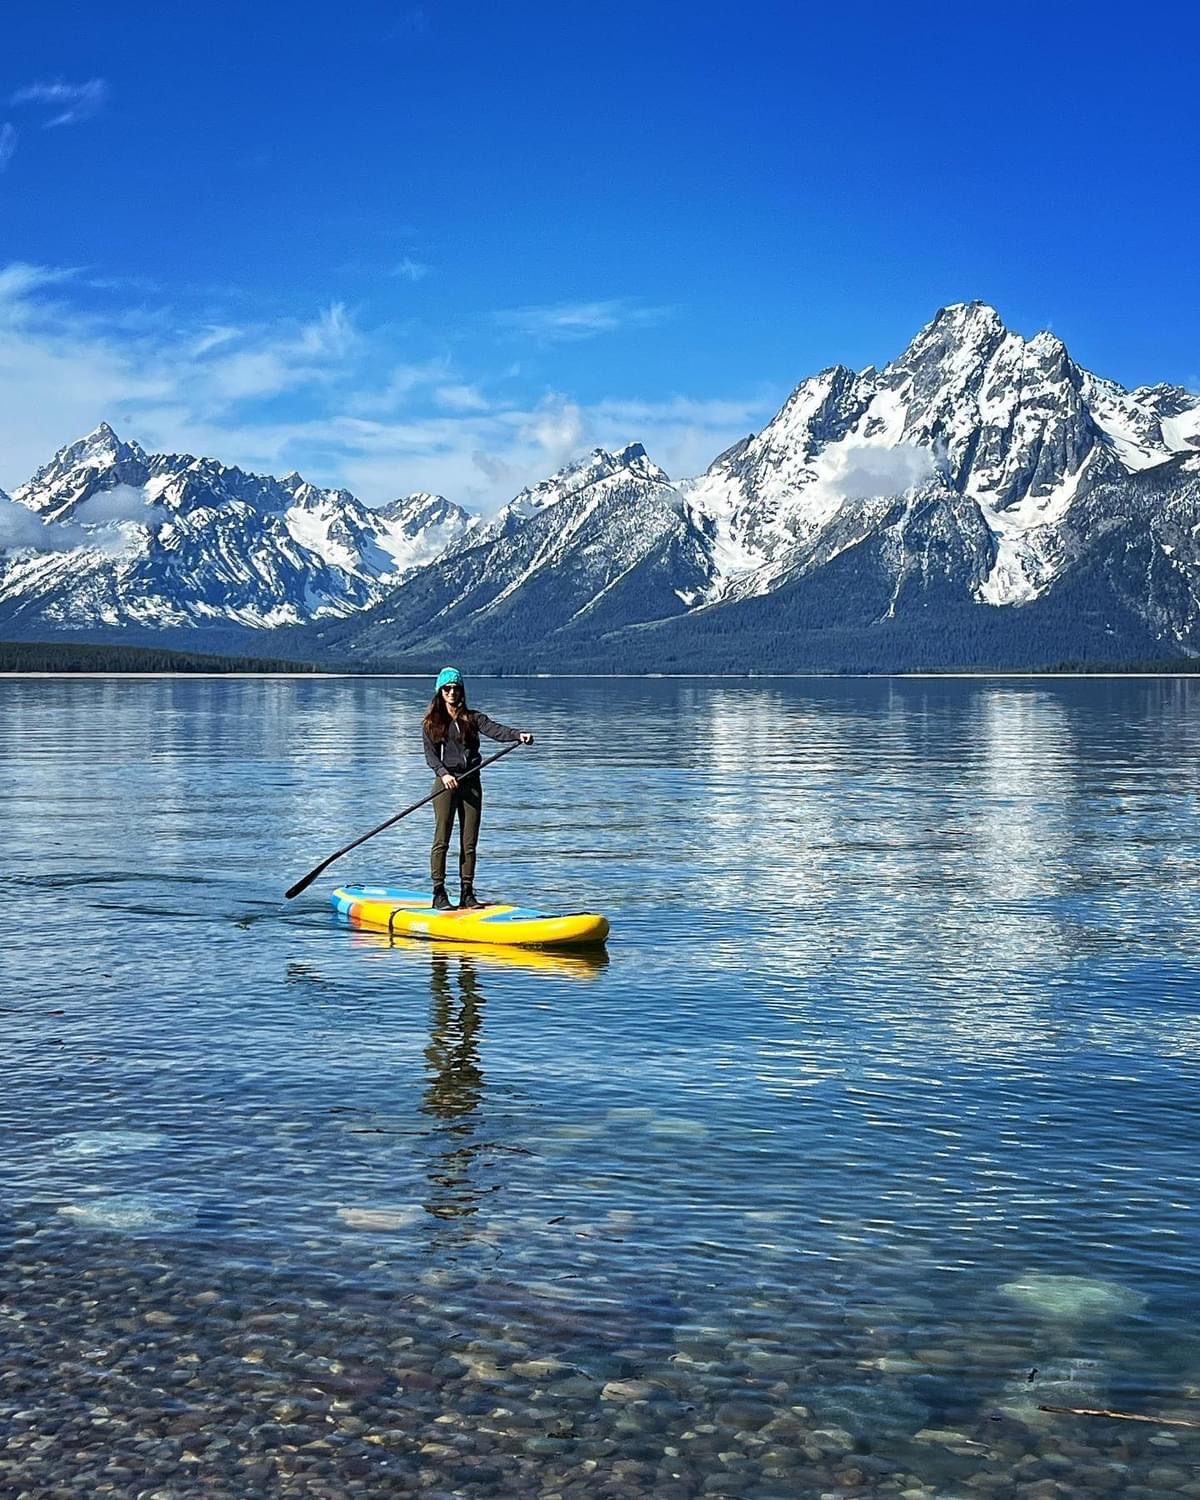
(303, 885)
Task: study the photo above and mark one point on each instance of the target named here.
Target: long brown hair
(436, 723)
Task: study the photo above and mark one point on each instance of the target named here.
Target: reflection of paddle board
(409, 914)
(576, 963)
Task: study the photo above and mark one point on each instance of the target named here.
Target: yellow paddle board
(381, 908)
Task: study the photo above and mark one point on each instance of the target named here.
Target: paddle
(303, 885)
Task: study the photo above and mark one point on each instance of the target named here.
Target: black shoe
(440, 902)
(467, 899)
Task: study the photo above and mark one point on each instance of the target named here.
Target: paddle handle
(303, 884)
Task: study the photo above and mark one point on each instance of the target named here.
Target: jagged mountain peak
(99, 449)
(957, 341)
(1166, 400)
(601, 463)
(1014, 426)
(424, 501)
(98, 446)
(973, 314)
(629, 462)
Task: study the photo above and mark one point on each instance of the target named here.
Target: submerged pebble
(145, 1213)
(78, 1143)
(1074, 1299)
(381, 1218)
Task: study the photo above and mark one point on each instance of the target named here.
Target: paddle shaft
(303, 885)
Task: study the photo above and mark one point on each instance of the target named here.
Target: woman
(451, 734)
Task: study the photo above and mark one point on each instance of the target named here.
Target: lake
(873, 1131)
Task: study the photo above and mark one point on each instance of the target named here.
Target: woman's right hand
(448, 781)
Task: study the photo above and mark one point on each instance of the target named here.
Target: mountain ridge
(976, 476)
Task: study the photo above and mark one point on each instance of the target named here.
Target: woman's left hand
(526, 738)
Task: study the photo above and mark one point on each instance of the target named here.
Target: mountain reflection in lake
(871, 1135)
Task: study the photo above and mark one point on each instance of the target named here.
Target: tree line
(48, 656)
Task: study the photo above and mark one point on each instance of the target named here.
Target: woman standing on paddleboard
(451, 733)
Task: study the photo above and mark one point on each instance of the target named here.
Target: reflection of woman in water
(455, 1088)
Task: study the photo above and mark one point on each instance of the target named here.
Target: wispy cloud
(213, 338)
(557, 427)
(409, 269)
(324, 394)
(564, 321)
(8, 144)
(261, 363)
(124, 502)
(69, 102)
(19, 278)
(461, 398)
(398, 386)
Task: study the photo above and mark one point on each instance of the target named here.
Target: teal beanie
(447, 676)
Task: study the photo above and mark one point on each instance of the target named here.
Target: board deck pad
(384, 908)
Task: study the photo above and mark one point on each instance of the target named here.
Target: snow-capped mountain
(603, 540)
(1014, 427)
(981, 500)
(975, 476)
(106, 535)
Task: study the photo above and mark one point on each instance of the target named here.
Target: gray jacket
(454, 755)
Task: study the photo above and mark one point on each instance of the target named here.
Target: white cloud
(23, 530)
(70, 102)
(557, 427)
(861, 471)
(8, 144)
(213, 338)
(330, 336)
(21, 527)
(401, 382)
(275, 360)
(566, 321)
(124, 502)
(19, 278)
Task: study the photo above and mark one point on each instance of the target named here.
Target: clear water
(874, 1131)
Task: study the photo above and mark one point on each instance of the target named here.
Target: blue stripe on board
(388, 893)
(519, 914)
(421, 898)
(345, 897)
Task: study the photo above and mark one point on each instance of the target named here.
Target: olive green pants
(465, 803)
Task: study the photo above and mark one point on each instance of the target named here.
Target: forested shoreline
(53, 656)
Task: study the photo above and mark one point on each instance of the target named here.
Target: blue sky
(447, 246)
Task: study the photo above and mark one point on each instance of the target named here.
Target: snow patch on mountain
(420, 527)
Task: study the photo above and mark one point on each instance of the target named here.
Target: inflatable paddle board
(382, 908)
